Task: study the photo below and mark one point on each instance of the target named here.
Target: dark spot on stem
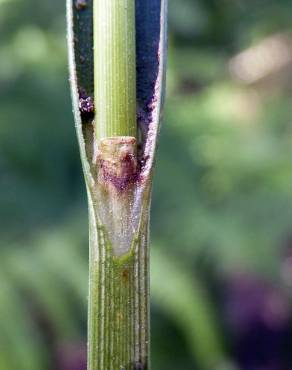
(86, 105)
(81, 4)
(125, 275)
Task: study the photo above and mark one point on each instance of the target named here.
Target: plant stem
(103, 34)
(119, 288)
(119, 300)
(118, 303)
(114, 68)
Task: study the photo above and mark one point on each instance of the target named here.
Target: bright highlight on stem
(114, 68)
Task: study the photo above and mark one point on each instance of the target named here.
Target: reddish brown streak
(117, 162)
(120, 182)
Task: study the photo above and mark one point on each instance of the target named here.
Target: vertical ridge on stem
(115, 68)
(119, 325)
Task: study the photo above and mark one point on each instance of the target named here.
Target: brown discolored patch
(117, 161)
(81, 4)
(125, 275)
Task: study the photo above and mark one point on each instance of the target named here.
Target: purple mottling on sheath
(143, 115)
(148, 38)
(122, 180)
(86, 105)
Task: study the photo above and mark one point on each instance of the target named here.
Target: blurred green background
(222, 203)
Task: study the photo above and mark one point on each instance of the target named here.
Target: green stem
(118, 195)
(114, 68)
(118, 301)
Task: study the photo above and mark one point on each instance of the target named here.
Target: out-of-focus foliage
(222, 207)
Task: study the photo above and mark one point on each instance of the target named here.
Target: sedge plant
(117, 54)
